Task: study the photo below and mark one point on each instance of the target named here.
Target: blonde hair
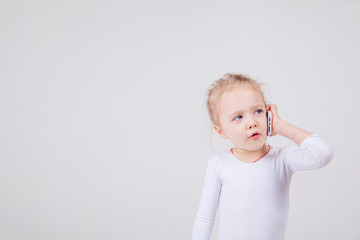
(226, 83)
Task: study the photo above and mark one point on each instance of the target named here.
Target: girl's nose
(251, 123)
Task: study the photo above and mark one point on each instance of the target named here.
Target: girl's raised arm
(312, 152)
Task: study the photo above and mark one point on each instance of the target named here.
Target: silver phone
(269, 123)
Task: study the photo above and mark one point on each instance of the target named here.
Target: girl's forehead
(240, 102)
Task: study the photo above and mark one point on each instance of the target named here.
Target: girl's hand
(276, 120)
(284, 128)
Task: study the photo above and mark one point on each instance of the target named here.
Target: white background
(104, 132)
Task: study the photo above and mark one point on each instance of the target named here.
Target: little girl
(250, 182)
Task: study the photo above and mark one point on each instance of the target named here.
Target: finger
(273, 108)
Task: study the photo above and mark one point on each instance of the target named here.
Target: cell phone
(269, 123)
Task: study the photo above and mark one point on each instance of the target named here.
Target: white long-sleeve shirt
(253, 199)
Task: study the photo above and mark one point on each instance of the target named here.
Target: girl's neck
(250, 156)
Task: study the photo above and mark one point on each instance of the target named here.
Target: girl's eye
(238, 118)
(258, 111)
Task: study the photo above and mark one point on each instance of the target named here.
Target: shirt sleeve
(205, 217)
(312, 153)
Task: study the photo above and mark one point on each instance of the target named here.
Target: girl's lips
(255, 135)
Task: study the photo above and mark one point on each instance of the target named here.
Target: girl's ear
(220, 131)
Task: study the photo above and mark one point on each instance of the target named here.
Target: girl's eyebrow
(258, 106)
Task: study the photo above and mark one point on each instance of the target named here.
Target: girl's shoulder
(220, 158)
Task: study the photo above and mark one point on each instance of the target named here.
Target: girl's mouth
(255, 135)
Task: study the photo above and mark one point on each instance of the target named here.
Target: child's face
(242, 118)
